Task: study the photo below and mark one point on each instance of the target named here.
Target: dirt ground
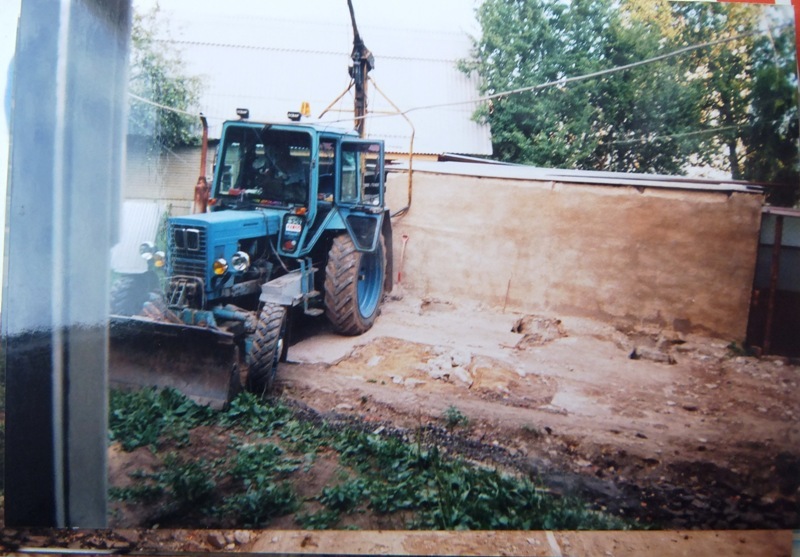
(676, 429)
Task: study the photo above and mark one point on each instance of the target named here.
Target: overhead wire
(553, 83)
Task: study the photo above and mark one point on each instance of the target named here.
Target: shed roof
(524, 172)
(271, 65)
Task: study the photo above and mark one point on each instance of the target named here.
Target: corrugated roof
(271, 65)
(522, 172)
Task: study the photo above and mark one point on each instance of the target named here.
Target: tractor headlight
(146, 250)
(240, 262)
(220, 266)
(159, 259)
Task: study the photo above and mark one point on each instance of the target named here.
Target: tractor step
(314, 312)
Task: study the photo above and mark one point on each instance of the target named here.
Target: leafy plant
(453, 417)
(140, 418)
(735, 349)
(258, 504)
(344, 496)
(157, 76)
(189, 482)
(250, 413)
(305, 437)
(182, 484)
(322, 520)
(258, 464)
(384, 473)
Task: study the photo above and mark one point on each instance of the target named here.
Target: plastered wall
(636, 257)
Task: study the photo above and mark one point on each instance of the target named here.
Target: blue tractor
(296, 224)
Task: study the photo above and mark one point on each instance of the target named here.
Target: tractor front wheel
(353, 285)
(267, 348)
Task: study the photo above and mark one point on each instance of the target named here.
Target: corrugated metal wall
(774, 325)
(169, 178)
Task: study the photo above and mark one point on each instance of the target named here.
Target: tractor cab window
(362, 179)
(327, 169)
(263, 166)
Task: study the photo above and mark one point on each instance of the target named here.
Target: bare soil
(677, 430)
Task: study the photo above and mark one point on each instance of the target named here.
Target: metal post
(67, 146)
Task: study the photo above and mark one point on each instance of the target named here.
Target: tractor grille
(187, 251)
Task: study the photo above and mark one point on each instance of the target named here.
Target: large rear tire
(266, 349)
(353, 286)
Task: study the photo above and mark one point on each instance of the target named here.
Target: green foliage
(189, 482)
(321, 520)
(305, 437)
(257, 505)
(731, 105)
(185, 484)
(257, 465)
(453, 417)
(446, 493)
(157, 74)
(386, 474)
(345, 496)
(250, 413)
(735, 350)
(599, 124)
(259, 470)
(140, 418)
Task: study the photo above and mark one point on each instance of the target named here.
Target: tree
(750, 86)
(731, 106)
(606, 123)
(157, 75)
(770, 141)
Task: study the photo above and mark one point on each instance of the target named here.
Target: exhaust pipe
(201, 190)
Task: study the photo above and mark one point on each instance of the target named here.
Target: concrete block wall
(675, 259)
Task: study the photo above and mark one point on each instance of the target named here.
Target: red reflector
(289, 245)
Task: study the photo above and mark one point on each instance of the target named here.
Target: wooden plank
(750, 543)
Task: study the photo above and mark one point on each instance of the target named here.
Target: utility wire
(671, 136)
(558, 82)
(165, 107)
(564, 81)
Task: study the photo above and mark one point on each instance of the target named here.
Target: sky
(438, 14)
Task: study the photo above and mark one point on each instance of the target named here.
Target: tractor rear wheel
(266, 349)
(353, 285)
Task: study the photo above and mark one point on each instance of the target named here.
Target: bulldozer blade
(201, 363)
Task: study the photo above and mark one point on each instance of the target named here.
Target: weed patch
(141, 418)
(271, 449)
(453, 417)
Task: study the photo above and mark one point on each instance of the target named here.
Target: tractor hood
(229, 225)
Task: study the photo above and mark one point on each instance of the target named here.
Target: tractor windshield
(263, 166)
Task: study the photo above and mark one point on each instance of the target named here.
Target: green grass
(271, 446)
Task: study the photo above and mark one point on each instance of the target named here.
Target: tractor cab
(263, 166)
